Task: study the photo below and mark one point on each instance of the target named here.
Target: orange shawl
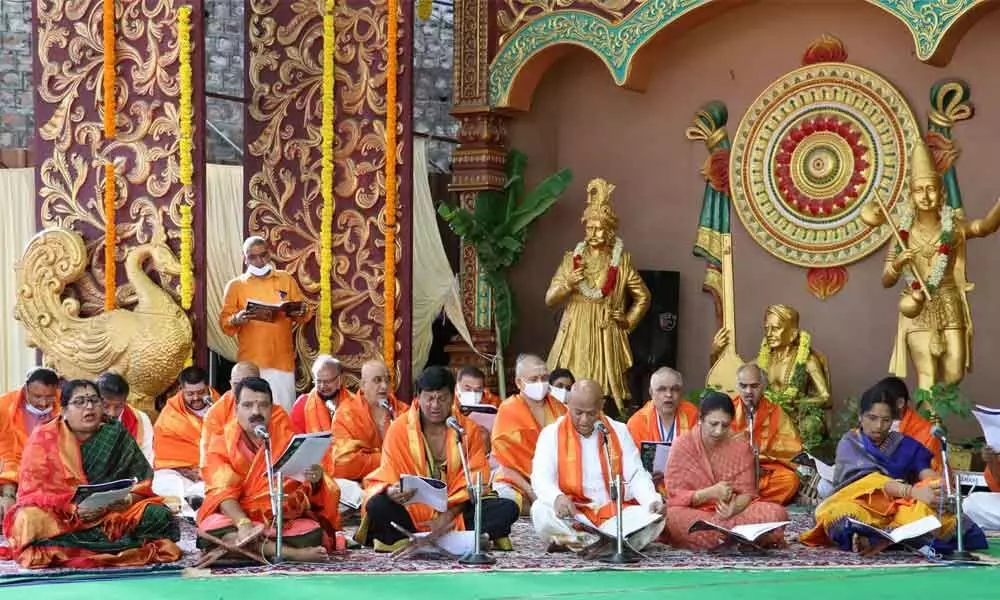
(222, 412)
(571, 469)
(515, 435)
(357, 445)
(773, 431)
(644, 426)
(177, 435)
(405, 453)
(919, 428)
(14, 433)
(230, 474)
(316, 415)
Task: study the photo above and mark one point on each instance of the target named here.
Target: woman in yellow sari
(883, 478)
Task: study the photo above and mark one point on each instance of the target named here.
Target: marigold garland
(187, 249)
(424, 9)
(110, 240)
(108, 24)
(186, 110)
(796, 379)
(392, 72)
(326, 179)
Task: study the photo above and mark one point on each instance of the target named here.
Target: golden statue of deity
(935, 325)
(595, 282)
(798, 377)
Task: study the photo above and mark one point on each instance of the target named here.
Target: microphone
(938, 432)
(384, 403)
(452, 422)
(261, 432)
(601, 429)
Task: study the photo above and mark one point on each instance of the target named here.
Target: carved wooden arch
(527, 54)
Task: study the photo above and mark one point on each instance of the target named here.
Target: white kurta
(545, 482)
(984, 509)
(146, 427)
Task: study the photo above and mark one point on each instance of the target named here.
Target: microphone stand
(620, 557)
(277, 496)
(478, 557)
(753, 446)
(960, 553)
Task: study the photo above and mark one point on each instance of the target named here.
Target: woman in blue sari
(883, 478)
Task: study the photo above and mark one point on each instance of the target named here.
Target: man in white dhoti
(984, 507)
(572, 479)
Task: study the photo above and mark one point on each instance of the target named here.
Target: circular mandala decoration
(816, 146)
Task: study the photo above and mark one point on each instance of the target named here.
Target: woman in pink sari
(710, 477)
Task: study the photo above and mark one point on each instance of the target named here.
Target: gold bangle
(244, 521)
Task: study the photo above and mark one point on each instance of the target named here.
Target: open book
(351, 496)
(989, 420)
(455, 543)
(102, 495)
(432, 492)
(903, 533)
(258, 310)
(632, 522)
(744, 534)
(654, 456)
(483, 415)
(304, 451)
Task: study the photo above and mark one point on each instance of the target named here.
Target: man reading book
(420, 442)
(269, 344)
(236, 491)
(48, 527)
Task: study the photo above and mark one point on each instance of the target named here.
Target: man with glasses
(53, 526)
(264, 337)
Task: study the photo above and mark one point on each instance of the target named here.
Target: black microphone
(330, 406)
(601, 429)
(384, 403)
(452, 422)
(938, 432)
(261, 432)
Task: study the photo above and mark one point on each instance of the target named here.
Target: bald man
(572, 479)
(359, 426)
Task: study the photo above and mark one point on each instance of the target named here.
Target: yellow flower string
(187, 250)
(326, 180)
(424, 8)
(186, 110)
(108, 24)
(392, 71)
(110, 240)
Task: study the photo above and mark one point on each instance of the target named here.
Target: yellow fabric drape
(17, 197)
(223, 243)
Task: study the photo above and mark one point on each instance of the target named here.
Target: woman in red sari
(710, 477)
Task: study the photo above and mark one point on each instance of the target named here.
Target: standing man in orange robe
(666, 416)
(114, 389)
(21, 411)
(420, 443)
(360, 426)
(177, 440)
(519, 421)
(314, 411)
(224, 410)
(774, 434)
(236, 491)
(269, 345)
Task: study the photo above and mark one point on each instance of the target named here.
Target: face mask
(38, 412)
(470, 398)
(559, 394)
(259, 271)
(537, 390)
(201, 413)
(895, 425)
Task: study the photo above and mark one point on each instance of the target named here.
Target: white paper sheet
(432, 492)
(304, 451)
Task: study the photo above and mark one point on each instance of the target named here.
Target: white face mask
(38, 412)
(259, 271)
(559, 394)
(470, 398)
(201, 413)
(537, 390)
(894, 426)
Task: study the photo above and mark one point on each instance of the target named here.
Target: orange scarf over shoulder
(644, 426)
(14, 432)
(773, 430)
(177, 435)
(317, 415)
(571, 469)
(357, 444)
(919, 428)
(515, 434)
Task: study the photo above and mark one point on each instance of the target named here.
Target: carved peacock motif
(147, 345)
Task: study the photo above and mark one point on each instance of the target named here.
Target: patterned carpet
(529, 554)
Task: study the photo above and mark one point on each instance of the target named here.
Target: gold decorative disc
(810, 152)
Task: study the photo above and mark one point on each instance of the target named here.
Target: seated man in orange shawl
(774, 434)
(420, 442)
(50, 527)
(114, 390)
(224, 410)
(360, 425)
(572, 478)
(314, 411)
(21, 411)
(237, 499)
(666, 416)
(710, 478)
(177, 441)
(520, 420)
(910, 422)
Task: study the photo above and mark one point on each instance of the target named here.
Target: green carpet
(970, 583)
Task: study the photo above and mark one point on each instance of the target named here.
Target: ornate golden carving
(147, 346)
(515, 13)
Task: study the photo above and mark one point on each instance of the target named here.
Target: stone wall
(16, 120)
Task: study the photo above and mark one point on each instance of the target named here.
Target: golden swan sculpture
(147, 345)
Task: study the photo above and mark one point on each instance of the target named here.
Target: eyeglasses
(83, 401)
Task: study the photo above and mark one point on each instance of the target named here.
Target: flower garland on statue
(612, 277)
(326, 178)
(939, 265)
(110, 229)
(796, 381)
(392, 72)
(186, 160)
